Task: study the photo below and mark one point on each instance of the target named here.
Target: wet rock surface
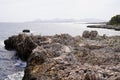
(63, 57)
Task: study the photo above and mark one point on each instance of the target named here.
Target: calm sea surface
(12, 68)
(8, 29)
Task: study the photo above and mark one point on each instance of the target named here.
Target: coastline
(63, 57)
(117, 28)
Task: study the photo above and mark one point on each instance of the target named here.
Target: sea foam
(15, 76)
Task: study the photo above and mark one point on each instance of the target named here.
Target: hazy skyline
(28, 10)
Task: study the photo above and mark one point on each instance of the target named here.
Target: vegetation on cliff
(115, 20)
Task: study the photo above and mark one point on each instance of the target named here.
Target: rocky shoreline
(63, 57)
(105, 26)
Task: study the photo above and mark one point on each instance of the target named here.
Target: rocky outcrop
(63, 57)
(115, 27)
(26, 30)
(117, 49)
(22, 43)
(91, 35)
(10, 43)
(86, 34)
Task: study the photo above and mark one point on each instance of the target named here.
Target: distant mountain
(92, 20)
(57, 20)
(54, 21)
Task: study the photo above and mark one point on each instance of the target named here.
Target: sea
(11, 67)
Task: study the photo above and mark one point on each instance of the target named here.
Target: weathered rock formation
(22, 43)
(86, 34)
(63, 57)
(91, 35)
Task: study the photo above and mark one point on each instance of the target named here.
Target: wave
(20, 63)
(1, 43)
(10, 65)
(15, 76)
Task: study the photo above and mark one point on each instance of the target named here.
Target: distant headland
(114, 23)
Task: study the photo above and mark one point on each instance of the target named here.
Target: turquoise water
(12, 68)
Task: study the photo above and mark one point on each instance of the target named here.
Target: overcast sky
(28, 10)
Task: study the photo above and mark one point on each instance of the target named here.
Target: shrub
(115, 20)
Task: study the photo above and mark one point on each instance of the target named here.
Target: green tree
(115, 20)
